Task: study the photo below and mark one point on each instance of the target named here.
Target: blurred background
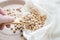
(53, 6)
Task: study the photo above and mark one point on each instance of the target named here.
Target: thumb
(6, 19)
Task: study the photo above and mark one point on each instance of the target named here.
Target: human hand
(4, 19)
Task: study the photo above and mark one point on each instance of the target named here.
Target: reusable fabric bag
(44, 33)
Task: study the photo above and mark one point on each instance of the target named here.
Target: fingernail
(11, 18)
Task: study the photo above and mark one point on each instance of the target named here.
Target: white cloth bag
(44, 33)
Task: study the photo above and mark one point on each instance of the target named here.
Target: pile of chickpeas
(32, 21)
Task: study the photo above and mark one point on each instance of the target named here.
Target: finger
(8, 25)
(6, 19)
(2, 27)
(2, 12)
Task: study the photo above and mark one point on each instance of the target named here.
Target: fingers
(2, 12)
(1, 26)
(6, 19)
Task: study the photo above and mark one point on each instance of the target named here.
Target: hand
(4, 19)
